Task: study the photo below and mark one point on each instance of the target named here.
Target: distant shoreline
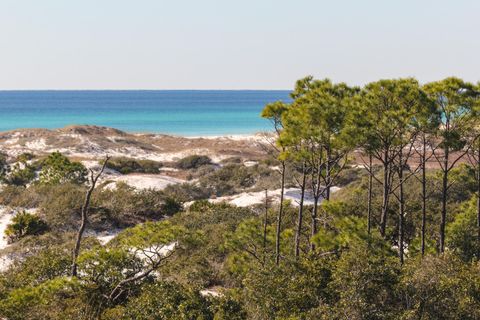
(233, 136)
(93, 142)
(178, 112)
(145, 90)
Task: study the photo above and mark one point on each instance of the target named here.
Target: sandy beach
(93, 142)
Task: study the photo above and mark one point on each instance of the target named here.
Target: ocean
(179, 112)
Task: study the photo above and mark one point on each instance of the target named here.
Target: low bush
(128, 165)
(230, 160)
(24, 224)
(234, 178)
(3, 165)
(171, 206)
(20, 175)
(193, 162)
(187, 192)
(58, 169)
(24, 157)
(125, 206)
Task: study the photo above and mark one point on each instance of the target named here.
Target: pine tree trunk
(328, 175)
(279, 217)
(300, 214)
(444, 201)
(478, 201)
(386, 191)
(401, 213)
(316, 199)
(314, 222)
(369, 205)
(424, 195)
(265, 224)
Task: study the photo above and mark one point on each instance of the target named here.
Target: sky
(226, 44)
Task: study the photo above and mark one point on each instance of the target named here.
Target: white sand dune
(146, 254)
(136, 180)
(256, 137)
(246, 199)
(212, 292)
(91, 150)
(146, 181)
(6, 216)
(93, 142)
(103, 237)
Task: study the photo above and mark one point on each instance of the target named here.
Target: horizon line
(10, 90)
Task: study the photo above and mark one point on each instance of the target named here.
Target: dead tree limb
(155, 264)
(84, 215)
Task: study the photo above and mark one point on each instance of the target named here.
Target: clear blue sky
(227, 44)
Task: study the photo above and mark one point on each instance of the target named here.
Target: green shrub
(230, 160)
(201, 257)
(187, 192)
(462, 233)
(46, 264)
(364, 282)
(440, 287)
(24, 157)
(3, 165)
(57, 168)
(171, 206)
(287, 291)
(58, 204)
(233, 178)
(52, 299)
(201, 205)
(163, 300)
(193, 162)
(24, 224)
(127, 165)
(125, 206)
(20, 176)
(10, 195)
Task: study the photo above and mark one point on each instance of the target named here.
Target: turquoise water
(181, 112)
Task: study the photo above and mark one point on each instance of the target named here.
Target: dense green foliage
(400, 240)
(24, 224)
(229, 179)
(57, 168)
(193, 162)
(21, 173)
(127, 165)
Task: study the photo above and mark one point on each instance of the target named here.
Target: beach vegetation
(193, 162)
(399, 240)
(58, 169)
(24, 224)
(129, 165)
(20, 174)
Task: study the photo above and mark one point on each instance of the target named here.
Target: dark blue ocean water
(181, 112)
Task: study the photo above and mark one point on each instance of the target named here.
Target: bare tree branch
(84, 214)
